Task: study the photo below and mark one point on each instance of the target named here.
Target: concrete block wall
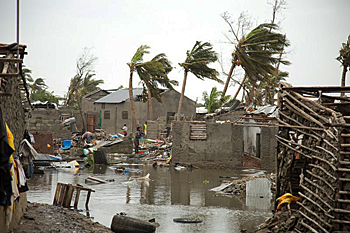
(13, 114)
(222, 149)
(49, 120)
(268, 148)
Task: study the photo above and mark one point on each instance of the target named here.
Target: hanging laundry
(26, 152)
(5, 152)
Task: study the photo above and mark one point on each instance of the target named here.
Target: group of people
(87, 136)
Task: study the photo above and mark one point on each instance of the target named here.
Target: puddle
(169, 194)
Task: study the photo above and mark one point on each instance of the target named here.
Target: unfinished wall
(223, 147)
(268, 148)
(231, 116)
(49, 120)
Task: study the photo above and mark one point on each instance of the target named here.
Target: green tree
(257, 53)
(196, 62)
(213, 101)
(150, 73)
(83, 82)
(344, 59)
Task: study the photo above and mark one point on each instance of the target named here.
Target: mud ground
(48, 218)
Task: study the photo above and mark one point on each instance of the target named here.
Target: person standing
(138, 135)
(125, 130)
(145, 129)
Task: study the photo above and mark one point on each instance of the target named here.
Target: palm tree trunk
(345, 69)
(182, 96)
(131, 98)
(252, 92)
(267, 93)
(241, 85)
(228, 79)
(80, 110)
(150, 105)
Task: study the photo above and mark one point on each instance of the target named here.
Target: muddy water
(170, 194)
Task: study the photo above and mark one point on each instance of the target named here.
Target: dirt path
(48, 218)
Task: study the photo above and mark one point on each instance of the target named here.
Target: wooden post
(69, 194)
(87, 199)
(57, 194)
(76, 198)
(62, 194)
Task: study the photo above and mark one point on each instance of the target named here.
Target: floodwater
(170, 194)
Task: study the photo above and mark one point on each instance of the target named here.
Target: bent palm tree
(146, 70)
(196, 62)
(257, 53)
(344, 59)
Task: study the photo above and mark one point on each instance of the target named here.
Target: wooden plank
(344, 152)
(77, 194)
(69, 196)
(343, 169)
(345, 134)
(341, 222)
(308, 227)
(316, 204)
(344, 162)
(344, 179)
(87, 200)
(342, 211)
(9, 75)
(315, 215)
(344, 145)
(344, 192)
(14, 60)
(343, 200)
(324, 170)
(57, 194)
(314, 222)
(62, 194)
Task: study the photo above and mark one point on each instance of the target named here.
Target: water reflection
(169, 194)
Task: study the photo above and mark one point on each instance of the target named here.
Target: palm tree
(149, 72)
(196, 62)
(155, 80)
(212, 101)
(38, 85)
(256, 53)
(82, 82)
(344, 59)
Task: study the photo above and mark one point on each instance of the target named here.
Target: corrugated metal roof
(119, 96)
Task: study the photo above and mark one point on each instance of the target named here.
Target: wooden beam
(8, 75)
(14, 60)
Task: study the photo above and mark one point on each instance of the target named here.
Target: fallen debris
(125, 224)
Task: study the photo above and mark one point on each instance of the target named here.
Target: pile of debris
(281, 221)
(238, 187)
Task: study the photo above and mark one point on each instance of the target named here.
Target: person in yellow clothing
(14, 182)
(145, 129)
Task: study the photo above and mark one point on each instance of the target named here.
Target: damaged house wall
(222, 148)
(49, 120)
(222, 145)
(13, 114)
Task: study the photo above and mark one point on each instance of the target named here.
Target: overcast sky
(57, 31)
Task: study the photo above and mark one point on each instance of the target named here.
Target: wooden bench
(64, 195)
